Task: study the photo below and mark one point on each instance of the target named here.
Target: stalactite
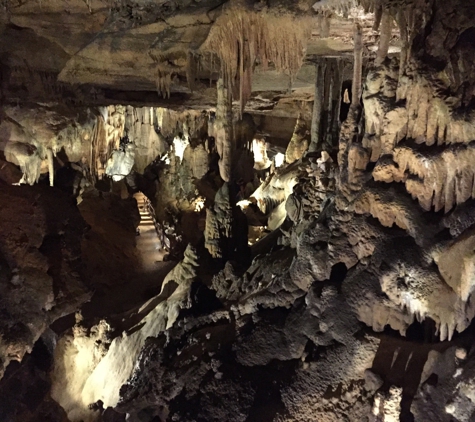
(49, 156)
(316, 132)
(191, 70)
(99, 140)
(170, 63)
(244, 94)
(357, 66)
(163, 82)
(91, 152)
(240, 37)
(324, 22)
(385, 37)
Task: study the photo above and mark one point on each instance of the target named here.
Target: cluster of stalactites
(30, 157)
(326, 109)
(106, 137)
(241, 38)
(406, 14)
(191, 123)
(346, 8)
(171, 63)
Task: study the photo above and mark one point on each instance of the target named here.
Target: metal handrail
(159, 228)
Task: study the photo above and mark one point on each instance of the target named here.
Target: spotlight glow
(279, 159)
(179, 146)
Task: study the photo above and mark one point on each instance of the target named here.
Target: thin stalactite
(324, 23)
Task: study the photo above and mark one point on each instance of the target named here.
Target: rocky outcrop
(219, 224)
(298, 145)
(93, 382)
(42, 272)
(27, 157)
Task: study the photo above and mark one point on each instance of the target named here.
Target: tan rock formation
(27, 157)
(89, 368)
(299, 142)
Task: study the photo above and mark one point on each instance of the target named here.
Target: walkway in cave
(149, 270)
(148, 243)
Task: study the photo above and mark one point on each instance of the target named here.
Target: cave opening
(338, 273)
(423, 332)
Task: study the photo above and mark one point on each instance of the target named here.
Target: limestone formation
(298, 145)
(27, 157)
(219, 224)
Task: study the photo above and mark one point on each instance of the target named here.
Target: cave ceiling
(106, 51)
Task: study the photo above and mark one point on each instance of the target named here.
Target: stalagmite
(385, 37)
(49, 156)
(346, 97)
(219, 220)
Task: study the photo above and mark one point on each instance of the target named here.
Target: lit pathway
(150, 270)
(148, 244)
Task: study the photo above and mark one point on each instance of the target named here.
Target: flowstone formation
(244, 211)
